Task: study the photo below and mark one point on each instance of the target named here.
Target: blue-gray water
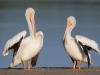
(50, 18)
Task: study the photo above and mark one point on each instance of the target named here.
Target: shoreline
(51, 71)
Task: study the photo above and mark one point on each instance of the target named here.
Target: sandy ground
(51, 71)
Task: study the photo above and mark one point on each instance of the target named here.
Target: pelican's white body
(74, 50)
(29, 47)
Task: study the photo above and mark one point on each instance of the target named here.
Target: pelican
(78, 47)
(25, 49)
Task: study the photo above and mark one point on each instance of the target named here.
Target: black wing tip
(34, 60)
(86, 49)
(33, 63)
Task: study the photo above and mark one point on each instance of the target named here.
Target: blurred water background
(50, 18)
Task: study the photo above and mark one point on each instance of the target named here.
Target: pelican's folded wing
(11, 43)
(88, 43)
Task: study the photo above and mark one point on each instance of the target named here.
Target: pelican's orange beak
(29, 17)
(32, 20)
(69, 23)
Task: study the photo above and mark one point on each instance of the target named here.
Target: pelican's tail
(86, 59)
(12, 65)
(91, 62)
(15, 63)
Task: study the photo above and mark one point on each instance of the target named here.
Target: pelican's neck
(32, 28)
(68, 32)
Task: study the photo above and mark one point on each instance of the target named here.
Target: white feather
(12, 41)
(88, 42)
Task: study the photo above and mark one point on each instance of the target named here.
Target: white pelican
(78, 48)
(25, 49)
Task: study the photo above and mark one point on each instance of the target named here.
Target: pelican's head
(71, 21)
(30, 12)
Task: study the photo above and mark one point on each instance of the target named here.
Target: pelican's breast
(73, 49)
(32, 46)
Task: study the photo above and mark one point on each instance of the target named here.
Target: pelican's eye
(71, 23)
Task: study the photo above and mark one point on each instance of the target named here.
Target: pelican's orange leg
(23, 62)
(28, 64)
(80, 64)
(74, 66)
